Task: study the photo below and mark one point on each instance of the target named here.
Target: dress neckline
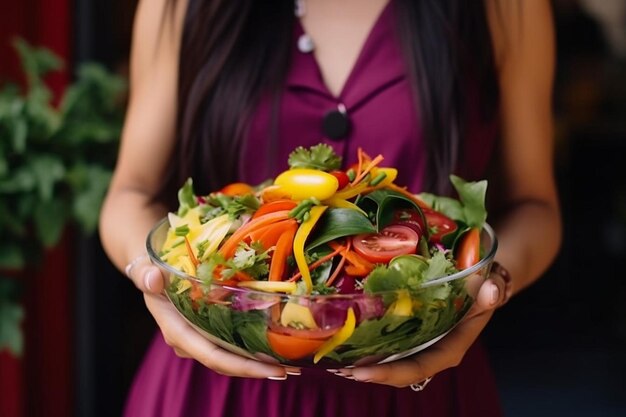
(310, 65)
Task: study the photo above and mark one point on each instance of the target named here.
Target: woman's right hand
(187, 342)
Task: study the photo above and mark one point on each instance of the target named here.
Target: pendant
(305, 44)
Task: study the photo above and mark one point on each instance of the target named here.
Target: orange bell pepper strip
(271, 236)
(230, 246)
(284, 248)
(274, 206)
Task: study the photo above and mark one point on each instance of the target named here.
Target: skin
(528, 221)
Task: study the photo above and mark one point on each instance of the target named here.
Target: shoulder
(157, 33)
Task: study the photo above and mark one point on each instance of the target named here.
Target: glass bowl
(333, 331)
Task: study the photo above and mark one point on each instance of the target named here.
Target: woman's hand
(187, 342)
(446, 353)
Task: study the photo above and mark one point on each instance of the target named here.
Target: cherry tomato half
(390, 242)
(439, 225)
(237, 188)
(342, 178)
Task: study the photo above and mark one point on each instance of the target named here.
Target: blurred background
(73, 330)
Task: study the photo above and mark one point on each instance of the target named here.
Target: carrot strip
(228, 248)
(408, 194)
(192, 256)
(367, 169)
(359, 266)
(271, 236)
(360, 164)
(319, 262)
(340, 265)
(284, 248)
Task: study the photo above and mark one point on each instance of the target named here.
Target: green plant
(56, 160)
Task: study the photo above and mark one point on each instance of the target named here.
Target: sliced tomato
(342, 178)
(292, 347)
(390, 242)
(439, 224)
(411, 218)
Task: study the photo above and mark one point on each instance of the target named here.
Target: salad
(324, 266)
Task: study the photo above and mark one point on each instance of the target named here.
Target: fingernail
(294, 372)
(349, 377)
(277, 378)
(333, 371)
(495, 294)
(147, 279)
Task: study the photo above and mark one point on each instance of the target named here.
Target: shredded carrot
(320, 261)
(359, 153)
(340, 265)
(367, 169)
(192, 256)
(359, 266)
(228, 248)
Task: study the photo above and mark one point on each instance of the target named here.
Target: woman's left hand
(446, 353)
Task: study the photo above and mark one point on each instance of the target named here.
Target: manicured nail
(277, 378)
(495, 295)
(294, 372)
(333, 371)
(147, 279)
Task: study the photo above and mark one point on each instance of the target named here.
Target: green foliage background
(56, 162)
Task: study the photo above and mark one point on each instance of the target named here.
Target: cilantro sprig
(321, 157)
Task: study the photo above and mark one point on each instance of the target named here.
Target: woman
(223, 90)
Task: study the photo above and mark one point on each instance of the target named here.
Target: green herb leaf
(438, 266)
(186, 198)
(469, 209)
(472, 195)
(321, 157)
(251, 328)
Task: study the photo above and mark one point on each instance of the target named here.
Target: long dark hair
(234, 52)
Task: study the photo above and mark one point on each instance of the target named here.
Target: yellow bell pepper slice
(298, 244)
(269, 286)
(351, 191)
(297, 314)
(338, 338)
(341, 203)
(403, 306)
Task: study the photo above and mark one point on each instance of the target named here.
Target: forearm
(529, 236)
(127, 216)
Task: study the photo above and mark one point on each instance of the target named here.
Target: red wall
(40, 383)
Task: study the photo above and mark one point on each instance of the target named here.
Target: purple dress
(378, 100)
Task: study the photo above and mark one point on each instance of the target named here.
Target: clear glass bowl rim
(156, 260)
